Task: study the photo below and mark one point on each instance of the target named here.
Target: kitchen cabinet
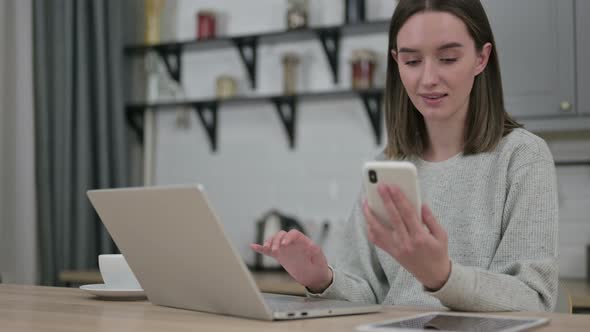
(536, 45)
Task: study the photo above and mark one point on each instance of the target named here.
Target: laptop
(182, 257)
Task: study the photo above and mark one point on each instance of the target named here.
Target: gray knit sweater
(500, 211)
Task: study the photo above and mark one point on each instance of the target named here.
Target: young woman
(487, 240)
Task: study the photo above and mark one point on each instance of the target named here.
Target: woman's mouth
(433, 99)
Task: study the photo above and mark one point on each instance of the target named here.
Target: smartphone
(403, 174)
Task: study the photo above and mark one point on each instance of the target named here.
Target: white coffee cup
(116, 273)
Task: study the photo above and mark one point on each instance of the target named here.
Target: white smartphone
(403, 174)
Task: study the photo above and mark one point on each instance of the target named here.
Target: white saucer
(102, 291)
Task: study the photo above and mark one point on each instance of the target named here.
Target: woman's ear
(482, 58)
(394, 55)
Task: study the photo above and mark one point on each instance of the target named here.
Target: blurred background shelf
(285, 105)
(247, 45)
(283, 36)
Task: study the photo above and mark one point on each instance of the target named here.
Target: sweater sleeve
(357, 273)
(523, 274)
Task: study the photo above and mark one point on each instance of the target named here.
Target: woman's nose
(430, 76)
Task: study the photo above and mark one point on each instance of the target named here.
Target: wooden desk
(269, 282)
(35, 308)
(282, 283)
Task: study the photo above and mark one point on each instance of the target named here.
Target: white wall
(18, 245)
(254, 170)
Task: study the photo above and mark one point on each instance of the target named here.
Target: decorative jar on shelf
(153, 10)
(290, 65)
(363, 63)
(225, 87)
(297, 14)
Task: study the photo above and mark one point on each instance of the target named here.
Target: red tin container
(206, 24)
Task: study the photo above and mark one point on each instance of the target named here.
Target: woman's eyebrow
(407, 50)
(450, 45)
(442, 47)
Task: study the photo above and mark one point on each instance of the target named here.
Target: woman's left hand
(423, 251)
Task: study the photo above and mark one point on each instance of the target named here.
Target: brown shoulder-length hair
(487, 120)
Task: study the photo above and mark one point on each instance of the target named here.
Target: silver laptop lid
(178, 250)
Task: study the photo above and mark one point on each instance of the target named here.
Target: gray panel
(583, 54)
(535, 42)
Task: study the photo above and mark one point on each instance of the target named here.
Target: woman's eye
(448, 60)
(412, 62)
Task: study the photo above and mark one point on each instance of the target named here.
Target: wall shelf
(247, 48)
(247, 45)
(285, 106)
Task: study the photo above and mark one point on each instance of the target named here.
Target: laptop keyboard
(282, 303)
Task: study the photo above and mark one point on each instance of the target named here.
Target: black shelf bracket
(330, 38)
(373, 102)
(207, 112)
(247, 47)
(286, 107)
(135, 121)
(171, 55)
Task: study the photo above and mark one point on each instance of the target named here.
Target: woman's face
(438, 62)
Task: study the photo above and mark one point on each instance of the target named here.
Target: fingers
(276, 242)
(256, 247)
(296, 239)
(406, 211)
(377, 233)
(294, 236)
(272, 246)
(394, 216)
(260, 249)
(433, 226)
(372, 221)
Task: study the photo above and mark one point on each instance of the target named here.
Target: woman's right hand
(301, 258)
